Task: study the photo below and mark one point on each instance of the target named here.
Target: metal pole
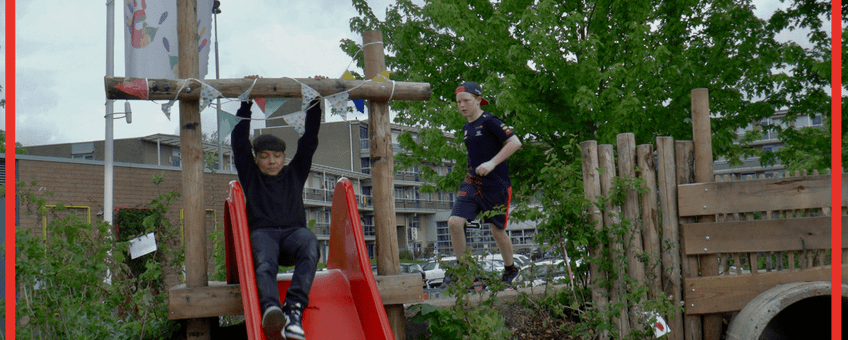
(215, 11)
(110, 104)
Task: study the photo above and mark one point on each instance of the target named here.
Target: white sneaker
(294, 328)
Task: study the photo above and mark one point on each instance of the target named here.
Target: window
(363, 138)
(82, 150)
(175, 157)
(366, 165)
(817, 120)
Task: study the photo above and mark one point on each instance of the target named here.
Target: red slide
(344, 302)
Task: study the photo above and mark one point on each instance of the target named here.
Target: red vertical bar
(10, 171)
(836, 166)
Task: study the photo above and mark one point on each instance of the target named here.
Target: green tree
(805, 85)
(588, 69)
(561, 72)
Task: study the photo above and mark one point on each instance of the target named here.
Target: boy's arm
(510, 147)
(242, 155)
(308, 143)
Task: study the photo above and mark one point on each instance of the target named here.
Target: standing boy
(276, 218)
(486, 186)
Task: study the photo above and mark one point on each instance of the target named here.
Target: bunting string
(337, 102)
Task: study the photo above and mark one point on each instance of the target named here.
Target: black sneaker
(509, 274)
(293, 328)
(272, 321)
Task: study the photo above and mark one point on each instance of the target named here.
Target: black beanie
(268, 143)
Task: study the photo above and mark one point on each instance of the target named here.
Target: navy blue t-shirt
(484, 138)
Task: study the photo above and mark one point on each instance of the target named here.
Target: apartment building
(770, 141)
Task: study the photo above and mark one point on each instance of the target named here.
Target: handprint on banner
(142, 34)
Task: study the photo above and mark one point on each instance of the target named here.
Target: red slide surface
(344, 302)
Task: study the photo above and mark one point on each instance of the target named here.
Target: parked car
(520, 260)
(411, 268)
(434, 272)
(558, 263)
(547, 273)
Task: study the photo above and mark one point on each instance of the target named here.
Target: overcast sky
(61, 60)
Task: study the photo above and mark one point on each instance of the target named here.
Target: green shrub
(462, 321)
(73, 282)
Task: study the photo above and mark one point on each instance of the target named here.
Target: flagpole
(215, 10)
(109, 142)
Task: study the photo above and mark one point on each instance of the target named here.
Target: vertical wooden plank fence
(719, 241)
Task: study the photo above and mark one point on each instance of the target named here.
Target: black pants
(273, 247)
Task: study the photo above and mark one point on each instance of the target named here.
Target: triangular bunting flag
(272, 104)
(246, 95)
(136, 88)
(338, 104)
(261, 103)
(207, 95)
(308, 95)
(166, 108)
(226, 123)
(359, 103)
(297, 120)
(382, 76)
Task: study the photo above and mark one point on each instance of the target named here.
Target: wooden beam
(192, 164)
(166, 89)
(633, 247)
(650, 218)
(756, 195)
(684, 158)
(770, 235)
(730, 293)
(702, 136)
(591, 191)
(671, 258)
(220, 298)
(382, 174)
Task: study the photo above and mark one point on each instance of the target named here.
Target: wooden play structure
(718, 245)
(198, 299)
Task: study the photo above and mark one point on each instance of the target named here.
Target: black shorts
(470, 202)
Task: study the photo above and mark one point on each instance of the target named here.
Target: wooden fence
(712, 245)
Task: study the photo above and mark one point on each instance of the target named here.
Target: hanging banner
(151, 47)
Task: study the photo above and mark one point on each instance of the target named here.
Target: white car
(540, 274)
(520, 260)
(434, 272)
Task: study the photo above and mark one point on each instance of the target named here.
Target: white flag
(151, 42)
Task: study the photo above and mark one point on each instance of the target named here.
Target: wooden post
(591, 190)
(607, 163)
(671, 277)
(382, 175)
(192, 163)
(626, 143)
(702, 137)
(650, 223)
(684, 156)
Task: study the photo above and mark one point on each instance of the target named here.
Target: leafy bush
(73, 282)
(461, 321)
